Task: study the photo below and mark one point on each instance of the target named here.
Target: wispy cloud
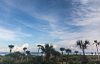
(79, 19)
(11, 35)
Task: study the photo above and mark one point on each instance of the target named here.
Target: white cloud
(17, 48)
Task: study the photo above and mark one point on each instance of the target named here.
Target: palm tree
(11, 47)
(28, 53)
(62, 49)
(55, 53)
(38, 48)
(82, 45)
(76, 52)
(24, 49)
(92, 53)
(23, 53)
(97, 43)
(47, 49)
(68, 51)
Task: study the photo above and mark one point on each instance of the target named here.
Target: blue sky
(26, 23)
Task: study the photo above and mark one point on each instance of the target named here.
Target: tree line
(49, 51)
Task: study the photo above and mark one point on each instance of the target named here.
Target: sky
(27, 23)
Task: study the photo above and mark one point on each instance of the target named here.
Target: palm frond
(87, 42)
(42, 48)
(46, 45)
(68, 50)
(95, 41)
(62, 49)
(98, 43)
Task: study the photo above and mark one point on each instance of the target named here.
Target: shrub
(71, 62)
(7, 60)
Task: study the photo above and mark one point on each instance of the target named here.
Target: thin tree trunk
(22, 59)
(83, 51)
(27, 57)
(38, 52)
(62, 57)
(10, 50)
(67, 58)
(76, 53)
(97, 51)
(47, 57)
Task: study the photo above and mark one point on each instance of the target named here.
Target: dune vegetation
(51, 56)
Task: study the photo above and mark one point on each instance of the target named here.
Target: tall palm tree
(23, 53)
(38, 48)
(62, 49)
(67, 51)
(24, 49)
(47, 49)
(97, 43)
(82, 45)
(28, 53)
(11, 47)
(76, 52)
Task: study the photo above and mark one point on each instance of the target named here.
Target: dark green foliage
(71, 62)
(7, 60)
(14, 55)
(44, 62)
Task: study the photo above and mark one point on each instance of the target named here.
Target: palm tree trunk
(47, 57)
(62, 57)
(97, 51)
(83, 51)
(22, 58)
(10, 50)
(38, 52)
(67, 58)
(76, 53)
(27, 57)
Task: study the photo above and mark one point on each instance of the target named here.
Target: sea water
(35, 53)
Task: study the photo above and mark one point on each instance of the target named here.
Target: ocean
(35, 53)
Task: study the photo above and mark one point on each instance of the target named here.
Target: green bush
(71, 62)
(7, 60)
(44, 62)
